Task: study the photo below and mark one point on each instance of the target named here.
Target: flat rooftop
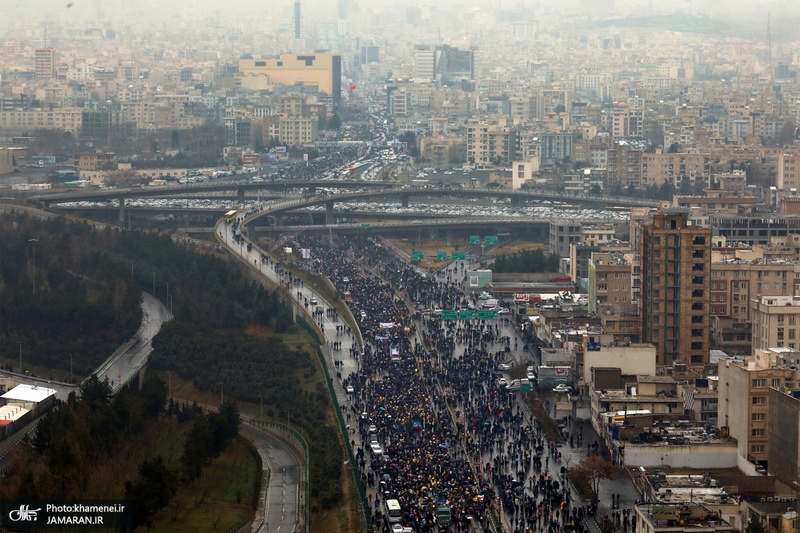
(28, 393)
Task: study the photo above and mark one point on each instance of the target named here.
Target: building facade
(676, 265)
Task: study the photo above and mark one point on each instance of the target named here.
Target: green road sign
(466, 314)
(462, 256)
(417, 256)
(474, 239)
(490, 239)
(486, 315)
(441, 256)
(364, 226)
(449, 315)
(525, 387)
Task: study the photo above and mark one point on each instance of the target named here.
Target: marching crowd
(426, 391)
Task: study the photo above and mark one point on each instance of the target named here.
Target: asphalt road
(282, 493)
(155, 314)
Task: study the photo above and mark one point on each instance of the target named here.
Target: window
(757, 448)
(759, 400)
(697, 346)
(757, 432)
(776, 382)
(759, 383)
(759, 417)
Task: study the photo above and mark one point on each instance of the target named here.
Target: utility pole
(154, 283)
(20, 356)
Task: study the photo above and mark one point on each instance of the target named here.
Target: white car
(530, 375)
(561, 388)
(502, 382)
(376, 449)
(312, 301)
(503, 367)
(350, 389)
(397, 528)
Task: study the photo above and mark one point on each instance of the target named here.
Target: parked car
(561, 388)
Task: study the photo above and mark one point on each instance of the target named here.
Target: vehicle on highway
(517, 384)
(531, 375)
(394, 513)
(561, 388)
(484, 296)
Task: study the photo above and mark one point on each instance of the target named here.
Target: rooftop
(28, 393)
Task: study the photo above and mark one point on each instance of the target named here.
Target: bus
(393, 511)
(230, 215)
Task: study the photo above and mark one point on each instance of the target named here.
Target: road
(125, 366)
(282, 492)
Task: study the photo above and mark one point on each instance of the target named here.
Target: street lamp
(33, 265)
(154, 283)
(20, 356)
(221, 395)
(170, 303)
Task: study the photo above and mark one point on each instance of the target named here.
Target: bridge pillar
(240, 195)
(449, 236)
(329, 213)
(278, 220)
(122, 210)
(404, 199)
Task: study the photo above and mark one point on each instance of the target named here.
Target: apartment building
(676, 265)
(660, 168)
(45, 63)
(754, 229)
(744, 398)
(626, 121)
(715, 201)
(788, 170)
(735, 283)
(60, 118)
(784, 433)
(491, 141)
(563, 233)
(610, 280)
(624, 166)
(776, 320)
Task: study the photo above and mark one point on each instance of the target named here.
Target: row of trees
(66, 301)
(526, 261)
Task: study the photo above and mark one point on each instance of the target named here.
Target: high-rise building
(676, 266)
(297, 21)
(45, 63)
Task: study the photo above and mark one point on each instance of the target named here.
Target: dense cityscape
(347, 266)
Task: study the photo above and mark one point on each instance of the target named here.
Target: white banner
(387, 325)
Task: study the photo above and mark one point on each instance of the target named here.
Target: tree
(594, 469)
(595, 190)
(787, 133)
(674, 148)
(754, 526)
(176, 138)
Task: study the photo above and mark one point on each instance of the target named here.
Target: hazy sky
(156, 12)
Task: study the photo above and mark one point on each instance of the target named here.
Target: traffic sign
(417, 256)
(466, 314)
(441, 256)
(365, 226)
(490, 239)
(525, 387)
(474, 239)
(449, 315)
(485, 314)
(462, 256)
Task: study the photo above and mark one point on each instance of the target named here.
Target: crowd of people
(426, 392)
